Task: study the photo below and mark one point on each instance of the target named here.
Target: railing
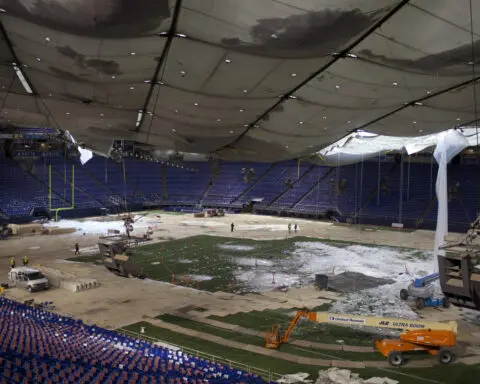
(266, 374)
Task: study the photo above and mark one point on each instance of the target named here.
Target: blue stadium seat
(43, 347)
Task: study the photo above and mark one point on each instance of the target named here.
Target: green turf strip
(454, 374)
(306, 330)
(260, 341)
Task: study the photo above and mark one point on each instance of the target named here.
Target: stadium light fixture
(22, 78)
(245, 91)
(241, 110)
(228, 61)
(394, 83)
(139, 118)
(231, 132)
(294, 74)
(183, 36)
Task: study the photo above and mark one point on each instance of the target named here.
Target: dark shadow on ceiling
(313, 34)
(262, 151)
(453, 62)
(94, 18)
(107, 67)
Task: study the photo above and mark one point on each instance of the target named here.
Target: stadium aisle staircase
(318, 177)
(230, 182)
(273, 184)
(188, 185)
(302, 172)
(235, 202)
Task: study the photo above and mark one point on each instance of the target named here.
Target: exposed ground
(120, 302)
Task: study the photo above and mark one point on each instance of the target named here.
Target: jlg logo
(383, 322)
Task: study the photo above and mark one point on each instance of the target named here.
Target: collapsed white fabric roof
(359, 146)
(245, 80)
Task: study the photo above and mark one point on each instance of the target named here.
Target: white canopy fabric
(449, 145)
(362, 145)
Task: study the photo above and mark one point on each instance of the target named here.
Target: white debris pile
(295, 378)
(344, 376)
(335, 376)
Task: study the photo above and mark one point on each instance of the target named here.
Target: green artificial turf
(260, 341)
(204, 263)
(94, 259)
(306, 330)
(451, 374)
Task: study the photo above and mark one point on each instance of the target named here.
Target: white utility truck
(30, 278)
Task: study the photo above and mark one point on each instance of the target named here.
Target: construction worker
(289, 228)
(232, 227)
(77, 249)
(12, 262)
(25, 260)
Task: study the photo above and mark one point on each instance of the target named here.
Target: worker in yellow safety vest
(12, 262)
(25, 261)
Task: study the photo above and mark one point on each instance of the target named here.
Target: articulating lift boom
(435, 338)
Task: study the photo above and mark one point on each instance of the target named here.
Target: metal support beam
(163, 57)
(325, 67)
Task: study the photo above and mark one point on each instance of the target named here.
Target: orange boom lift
(434, 338)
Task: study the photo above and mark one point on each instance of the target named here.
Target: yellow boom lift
(435, 338)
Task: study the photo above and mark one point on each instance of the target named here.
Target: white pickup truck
(30, 278)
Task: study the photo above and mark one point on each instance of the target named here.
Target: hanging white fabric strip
(449, 144)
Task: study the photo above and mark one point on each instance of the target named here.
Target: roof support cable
(163, 57)
(336, 57)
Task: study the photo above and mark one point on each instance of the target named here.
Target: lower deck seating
(38, 346)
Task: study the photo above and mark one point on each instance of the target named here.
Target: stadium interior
(188, 174)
